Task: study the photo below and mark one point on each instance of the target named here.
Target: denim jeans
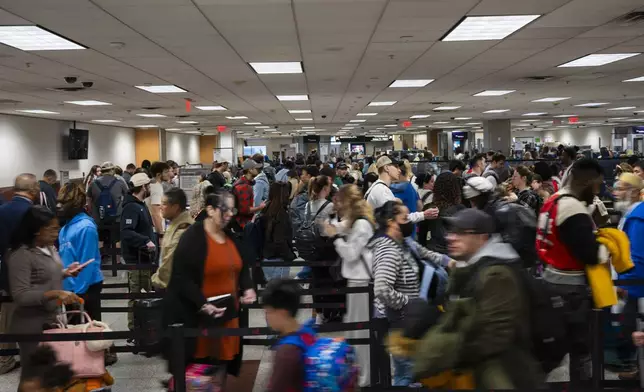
(275, 272)
(403, 372)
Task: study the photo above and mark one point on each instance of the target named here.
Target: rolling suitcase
(148, 323)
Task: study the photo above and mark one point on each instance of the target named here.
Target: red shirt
(243, 191)
(549, 247)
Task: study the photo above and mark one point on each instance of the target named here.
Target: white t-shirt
(379, 193)
(156, 194)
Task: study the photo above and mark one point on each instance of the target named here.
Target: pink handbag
(84, 362)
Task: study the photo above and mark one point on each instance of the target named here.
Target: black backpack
(107, 206)
(308, 241)
(517, 224)
(549, 342)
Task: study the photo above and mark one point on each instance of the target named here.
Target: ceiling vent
(68, 89)
(437, 103)
(631, 19)
(9, 102)
(182, 116)
(536, 79)
(151, 108)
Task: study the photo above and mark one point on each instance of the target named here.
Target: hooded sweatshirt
(633, 225)
(79, 243)
(137, 229)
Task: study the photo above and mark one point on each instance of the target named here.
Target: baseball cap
(475, 186)
(632, 179)
(342, 166)
(251, 164)
(107, 166)
(140, 179)
(383, 161)
(471, 220)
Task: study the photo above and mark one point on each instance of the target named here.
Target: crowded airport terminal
(321, 195)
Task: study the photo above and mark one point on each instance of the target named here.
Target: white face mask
(622, 205)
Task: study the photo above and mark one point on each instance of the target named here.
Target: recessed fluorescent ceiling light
(303, 111)
(420, 116)
(565, 115)
(447, 108)
(592, 104)
(497, 111)
(292, 97)
(596, 60)
(530, 120)
(252, 123)
(262, 127)
(535, 114)
(618, 118)
(623, 108)
(441, 122)
(187, 122)
(145, 126)
(304, 119)
(366, 114)
(150, 115)
(391, 126)
(382, 103)
(88, 103)
(36, 111)
(479, 28)
(551, 99)
(308, 127)
(211, 107)
(106, 121)
(638, 79)
(493, 93)
(35, 38)
(411, 82)
(357, 121)
(462, 118)
(473, 123)
(278, 67)
(635, 119)
(236, 117)
(162, 89)
(173, 129)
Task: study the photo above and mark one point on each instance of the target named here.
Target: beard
(622, 205)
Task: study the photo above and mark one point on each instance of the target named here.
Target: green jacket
(486, 327)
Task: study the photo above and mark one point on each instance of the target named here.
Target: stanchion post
(373, 342)
(597, 333)
(179, 357)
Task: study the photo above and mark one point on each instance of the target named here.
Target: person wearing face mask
(137, 235)
(566, 244)
(397, 273)
(211, 261)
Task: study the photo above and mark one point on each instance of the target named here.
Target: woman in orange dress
(210, 261)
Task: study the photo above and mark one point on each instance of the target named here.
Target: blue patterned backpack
(329, 363)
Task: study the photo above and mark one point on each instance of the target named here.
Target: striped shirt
(396, 272)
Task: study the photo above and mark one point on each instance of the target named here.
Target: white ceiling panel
(503, 7)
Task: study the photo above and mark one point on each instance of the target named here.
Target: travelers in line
(47, 193)
(160, 172)
(244, 193)
(278, 233)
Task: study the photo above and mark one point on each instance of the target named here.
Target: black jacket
(137, 230)
(216, 179)
(184, 297)
(49, 196)
(278, 236)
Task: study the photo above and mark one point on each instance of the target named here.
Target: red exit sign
(573, 120)
(406, 124)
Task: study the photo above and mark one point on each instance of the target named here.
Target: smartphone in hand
(80, 267)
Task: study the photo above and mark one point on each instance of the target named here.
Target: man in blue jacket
(137, 236)
(26, 190)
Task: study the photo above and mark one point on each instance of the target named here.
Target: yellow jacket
(599, 276)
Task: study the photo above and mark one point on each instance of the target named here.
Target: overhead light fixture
(638, 79)
(618, 118)
(298, 111)
(252, 123)
(206, 108)
(382, 103)
(236, 117)
(173, 129)
(493, 93)
(308, 127)
(292, 97)
(277, 67)
(36, 111)
(440, 108)
(441, 122)
(262, 127)
(529, 120)
(535, 114)
(419, 116)
(391, 126)
(565, 115)
(162, 89)
(551, 99)
(106, 121)
(151, 115)
(497, 111)
(89, 103)
(623, 108)
(146, 126)
(31, 38)
(481, 28)
(592, 104)
(635, 119)
(596, 60)
(187, 122)
(304, 119)
(357, 121)
(473, 123)
(462, 118)
(366, 114)
(411, 83)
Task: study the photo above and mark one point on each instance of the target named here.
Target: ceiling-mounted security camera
(88, 84)
(71, 79)
(324, 116)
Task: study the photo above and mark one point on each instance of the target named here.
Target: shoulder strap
(326, 203)
(428, 194)
(366, 196)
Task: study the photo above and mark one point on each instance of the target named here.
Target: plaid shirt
(243, 191)
(530, 199)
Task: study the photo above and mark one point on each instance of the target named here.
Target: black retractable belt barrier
(179, 355)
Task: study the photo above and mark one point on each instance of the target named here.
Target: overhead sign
(363, 139)
(573, 120)
(311, 139)
(459, 135)
(406, 124)
(221, 128)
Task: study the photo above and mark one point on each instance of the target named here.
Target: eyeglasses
(224, 209)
